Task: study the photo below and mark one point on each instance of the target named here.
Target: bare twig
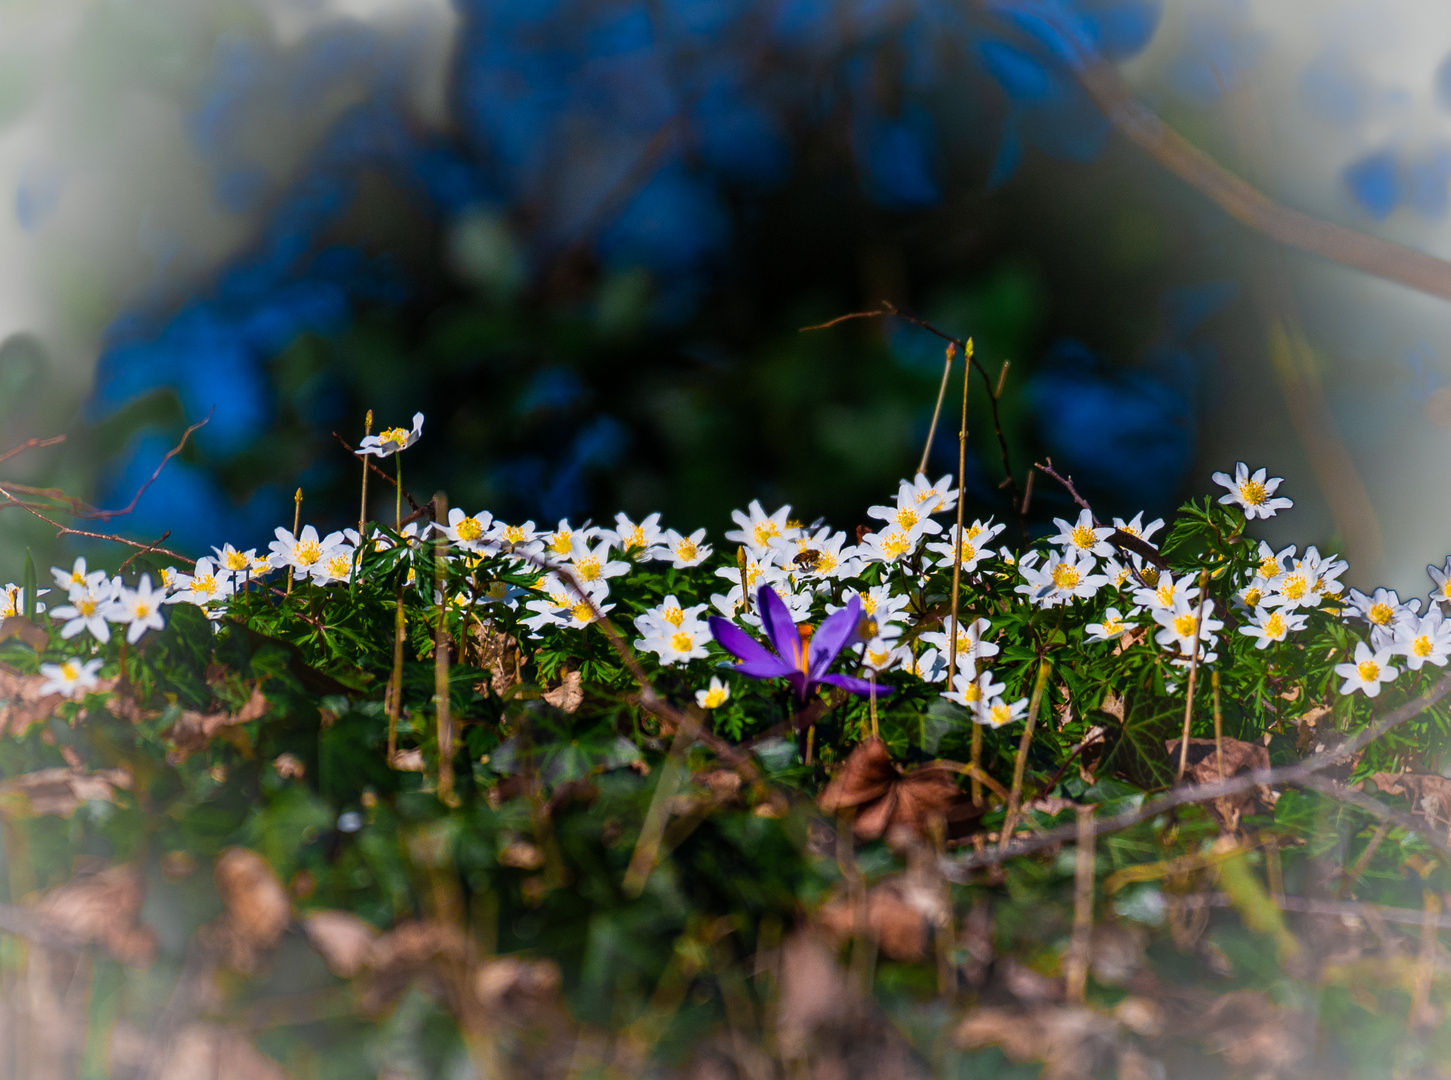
(937, 409)
(66, 530)
(1020, 763)
(1301, 905)
(1079, 946)
(374, 468)
(1245, 203)
(1293, 775)
(155, 546)
(107, 515)
(32, 444)
(1193, 672)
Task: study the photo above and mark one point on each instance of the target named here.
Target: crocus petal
(738, 642)
(771, 667)
(776, 618)
(853, 685)
(833, 635)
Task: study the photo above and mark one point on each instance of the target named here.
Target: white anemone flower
(1185, 626)
(336, 566)
(1367, 672)
(204, 585)
(1135, 526)
(1383, 610)
(999, 713)
(303, 551)
(1113, 626)
(138, 608)
(930, 498)
(821, 556)
(86, 611)
(907, 516)
(466, 531)
(1059, 579)
(236, 563)
(888, 546)
(975, 538)
(715, 696)
(1423, 640)
(668, 616)
(517, 540)
(632, 538)
(1271, 625)
(677, 645)
(391, 440)
(12, 601)
(681, 551)
(970, 645)
(1167, 593)
(591, 565)
(973, 690)
(1083, 536)
(1441, 578)
(879, 654)
(71, 678)
(77, 577)
(1254, 494)
(758, 528)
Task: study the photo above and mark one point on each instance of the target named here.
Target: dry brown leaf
(411, 951)
(103, 909)
(33, 634)
(194, 730)
(342, 938)
(568, 694)
(1073, 1042)
(21, 702)
(884, 798)
(496, 654)
(59, 790)
(289, 767)
(516, 990)
(408, 761)
(257, 908)
(1239, 757)
(897, 926)
(1428, 793)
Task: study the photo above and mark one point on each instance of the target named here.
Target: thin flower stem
(398, 496)
(937, 409)
(440, 666)
(957, 561)
(1218, 723)
(363, 510)
(395, 682)
(1020, 763)
(1193, 671)
(1079, 946)
(296, 521)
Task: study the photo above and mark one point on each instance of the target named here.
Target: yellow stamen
(1274, 626)
(682, 642)
(469, 530)
(1252, 492)
(1065, 576)
(1369, 670)
(1421, 646)
(1083, 537)
(1381, 614)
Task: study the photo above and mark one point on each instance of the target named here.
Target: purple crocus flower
(803, 663)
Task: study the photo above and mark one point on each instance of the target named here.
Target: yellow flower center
(825, 562)
(167, 576)
(1275, 626)
(878, 659)
(869, 604)
(1165, 595)
(497, 591)
(1185, 625)
(338, 566)
(588, 568)
(715, 697)
(686, 549)
(582, 612)
(1294, 587)
(1122, 576)
(923, 496)
(673, 615)
(235, 560)
(207, 584)
(1421, 646)
(395, 435)
(1112, 627)
(69, 671)
(1381, 614)
(1269, 566)
(764, 531)
(999, 715)
(308, 552)
(1065, 576)
(907, 517)
(1150, 574)
(972, 532)
(143, 611)
(633, 539)
(1252, 597)
(1446, 588)
(470, 529)
(515, 534)
(968, 552)
(1130, 530)
(895, 545)
(77, 578)
(86, 607)
(972, 692)
(682, 642)
(1083, 537)
(1369, 670)
(1252, 492)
